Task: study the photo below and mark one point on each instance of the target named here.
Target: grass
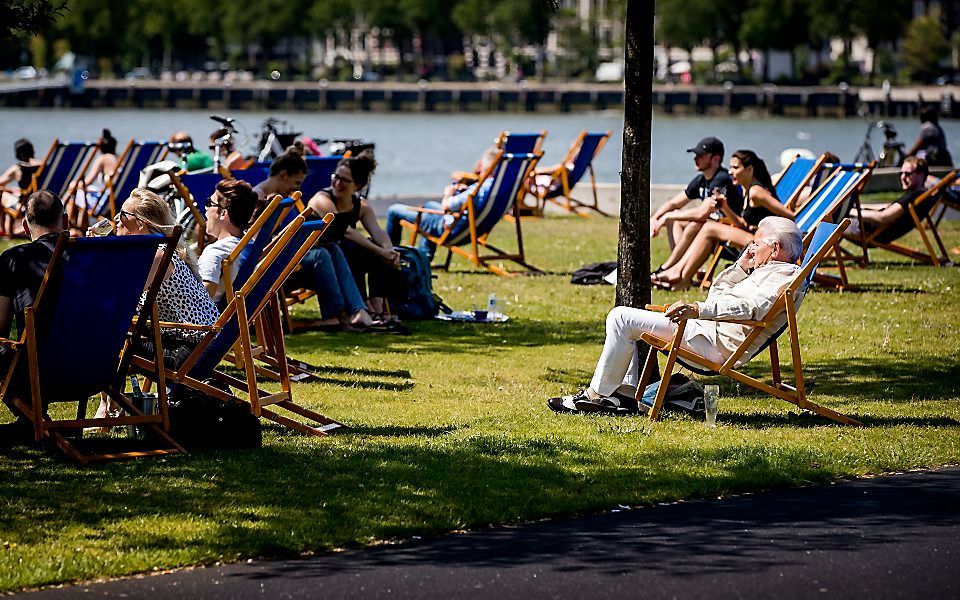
(450, 430)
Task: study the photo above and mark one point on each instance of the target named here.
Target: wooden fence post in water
(633, 252)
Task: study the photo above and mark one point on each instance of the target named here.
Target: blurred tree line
(114, 36)
(806, 29)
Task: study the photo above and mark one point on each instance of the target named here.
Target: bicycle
(892, 151)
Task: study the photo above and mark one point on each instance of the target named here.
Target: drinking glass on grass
(711, 394)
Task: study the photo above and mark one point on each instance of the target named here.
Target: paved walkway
(887, 537)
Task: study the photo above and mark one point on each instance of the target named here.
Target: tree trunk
(633, 252)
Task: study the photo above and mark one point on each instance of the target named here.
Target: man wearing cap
(686, 212)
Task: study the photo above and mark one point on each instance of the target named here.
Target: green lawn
(450, 429)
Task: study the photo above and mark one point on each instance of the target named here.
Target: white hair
(785, 232)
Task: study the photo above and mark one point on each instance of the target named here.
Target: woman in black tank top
(22, 172)
(370, 256)
(760, 201)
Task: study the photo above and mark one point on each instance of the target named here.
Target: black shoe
(611, 405)
(566, 404)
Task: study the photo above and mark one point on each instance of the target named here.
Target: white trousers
(619, 366)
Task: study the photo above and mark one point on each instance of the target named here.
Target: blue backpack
(410, 293)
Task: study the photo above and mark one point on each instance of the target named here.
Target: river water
(416, 151)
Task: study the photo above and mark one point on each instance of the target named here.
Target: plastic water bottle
(135, 431)
(492, 312)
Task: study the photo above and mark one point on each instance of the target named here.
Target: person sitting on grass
(22, 270)
(894, 218)
(228, 214)
(745, 290)
(434, 223)
(760, 201)
(684, 214)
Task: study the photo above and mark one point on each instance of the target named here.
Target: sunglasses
(122, 213)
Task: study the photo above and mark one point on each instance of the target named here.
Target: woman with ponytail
(93, 183)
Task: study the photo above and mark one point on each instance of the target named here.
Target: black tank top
(26, 175)
(753, 214)
(354, 213)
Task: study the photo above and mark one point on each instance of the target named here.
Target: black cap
(708, 145)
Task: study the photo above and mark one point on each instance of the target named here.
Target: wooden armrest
(656, 307)
(464, 176)
(191, 326)
(744, 322)
(8, 343)
(432, 211)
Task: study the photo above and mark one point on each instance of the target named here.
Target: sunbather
(435, 222)
(368, 257)
(684, 214)
(227, 216)
(93, 183)
(750, 173)
(931, 143)
(745, 290)
(287, 173)
(22, 173)
(22, 270)
(893, 218)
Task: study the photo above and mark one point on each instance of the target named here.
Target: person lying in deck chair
(454, 196)
(228, 214)
(893, 217)
(745, 290)
(21, 273)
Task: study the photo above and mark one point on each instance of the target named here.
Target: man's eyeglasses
(341, 179)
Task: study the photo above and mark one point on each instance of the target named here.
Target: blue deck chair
(78, 308)
(568, 174)
(479, 214)
(820, 242)
(319, 171)
(257, 295)
(521, 143)
(792, 180)
(135, 158)
(65, 163)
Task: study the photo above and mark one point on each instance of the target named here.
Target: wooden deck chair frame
(794, 393)
(121, 176)
(262, 403)
(926, 226)
(794, 198)
(46, 427)
(265, 350)
(569, 203)
(478, 241)
(65, 189)
(499, 143)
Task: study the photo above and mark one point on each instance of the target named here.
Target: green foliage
(924, 46)
(28, 17)
(449, 428)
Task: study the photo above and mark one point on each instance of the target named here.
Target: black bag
(201, 421)
(410, 289)
(593, 274)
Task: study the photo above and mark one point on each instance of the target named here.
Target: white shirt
(210, 263)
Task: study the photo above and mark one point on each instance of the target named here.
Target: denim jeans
(430, 223)
(328, 274)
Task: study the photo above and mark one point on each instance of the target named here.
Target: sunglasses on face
(341, 179)
(122, 213)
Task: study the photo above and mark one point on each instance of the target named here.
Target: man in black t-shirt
(894, 218)
(22, 269)
(683, 214)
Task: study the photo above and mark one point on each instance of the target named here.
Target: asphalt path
(896, 536)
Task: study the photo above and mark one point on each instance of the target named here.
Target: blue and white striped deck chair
(822, 240)
(792, 180)
(136, 156)
(490, 199)
(65, 163)
(575, 165)
(255, 298)
(834, 199)
(521, 143)
(319, 171)
(78, 308)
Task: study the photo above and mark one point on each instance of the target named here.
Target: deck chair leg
(35, 402)
(649, 366)
(795, 350)
(245, 347)
(775, 364)
(667, 371)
